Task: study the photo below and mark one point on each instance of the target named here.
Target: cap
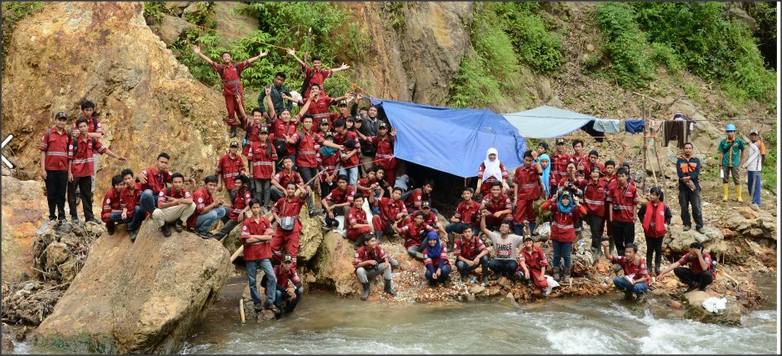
(263, 129)
(324, 121)
(287, 258)
(753, 132)
(342, 103)
(625, 164)
(234, 144)
(61, 115)
(528, 237)
(560, 141)
(359, 118)
(328, 134)
(382, 124)
(425, 204)
(544, 145)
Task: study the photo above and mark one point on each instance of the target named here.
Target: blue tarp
(451, 140)
(547, 122)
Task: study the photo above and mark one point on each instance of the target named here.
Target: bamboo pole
(241, 309)
(237, 253)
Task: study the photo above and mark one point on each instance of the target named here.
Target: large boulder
(682, 239)
(333, 264)
(170, 27)
(141, 297)
(751, 224)
(147, 101)
(24, 208)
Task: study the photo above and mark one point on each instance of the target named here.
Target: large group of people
(346, 158)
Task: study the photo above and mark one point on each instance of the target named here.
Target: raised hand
(196, 49)
(291, 51)
(263, 54)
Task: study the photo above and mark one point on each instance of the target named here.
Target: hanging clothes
(607, 126)
(676, 129)
(590, 129)
(634, 126)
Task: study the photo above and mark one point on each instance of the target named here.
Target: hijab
(546, 172)
(492, 168)
(433, 252)
(565, 209)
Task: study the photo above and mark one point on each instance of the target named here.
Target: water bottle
(473, 280)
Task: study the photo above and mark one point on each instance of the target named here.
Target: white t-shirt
(505, 249)
(755, 159)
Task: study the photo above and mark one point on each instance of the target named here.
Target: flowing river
(326, 324)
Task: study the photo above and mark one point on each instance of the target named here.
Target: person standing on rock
(289, 286)
(338, 201)
(688, 168)
(257, 235)
(559, 161)
(286, 214)
(754, 165)
(284, 127)
(275, 92)
(208, 209)
(566, 211)
(532, 264)
(130, 201)
(490, 171)
(230, 166)
(655, 217)
(594, 201)
(527, 189)
(175, 205)
(314, 75)
(438, 268)
(349, 152)
(239, 206)
(467, 213)
(370, 261)
(252, 130)
(505, 246)
(701, 270)
(112, 209)
(94, 129)
(261, 157)
(731, 149)
(414, 233)
(54, 164)
(81, 169)
(383, 143)
(392, 211)
(232, 85)
(622, 200)
(282, 178)
(357, 220)
(470, 252)
(635, 272)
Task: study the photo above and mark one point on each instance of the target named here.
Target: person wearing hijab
(436, 260)
(563, 232)
(490, 171)
(545, 164)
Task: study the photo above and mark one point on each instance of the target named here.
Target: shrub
(625, 43)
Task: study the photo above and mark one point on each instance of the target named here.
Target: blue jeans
(148, 201)
(444, 272)
(624, 285)
(500, 266)
(282, 295)
(562, 250)
(464, 269)
(133, 222)
(352, 174)
(205, 221)
(271, 288)
(753, 186)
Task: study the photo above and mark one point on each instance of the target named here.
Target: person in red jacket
(232, 85)
(175, 205)
(228, 168)
(498, 205)
(315, 75)
(610, 175)
(594, 201)
(208, 209)
(435, 253)
(392, 211)
(307, 145)
(587, 165)
(532, 264)
(130, 201)
(287, 209)
(655, 217)
(256, 239)
(94, 129)
(283, 128)
(349, 153)
(701, 272)
(370, 261)
(261, 157)
(112, 211)
(328, 165)
(384, 155)
(490, 171)
(239, 206)
(338, 201)
(289, 287)
(622, 199)
(54, 164)
(636, 275)
(470, 252)
(357, 223)
(252, 130)
(413, 233)
(526, 189)
(559, 161)
(563, 232)
(416, 197)
(578, 157)
(467, 212)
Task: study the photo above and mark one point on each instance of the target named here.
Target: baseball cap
(560, 141)
(328, 134)
(234, 144)
(382, 124)
(287, 259)
(754, 131)
(342, 103)
(425, 204)
(625, 164)
(264, 129)
(359, 118)
(528, 237)
(60, 115)
(324, 121)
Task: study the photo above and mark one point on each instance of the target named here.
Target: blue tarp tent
(451, 140)
(547, 122)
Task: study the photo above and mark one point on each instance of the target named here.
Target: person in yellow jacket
(731, 149)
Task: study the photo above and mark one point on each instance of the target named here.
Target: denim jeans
(624, 285)
(263, 190)
(352, 174)
(271, 288)
(148, 201)
(499, 266)
(133, 222)
(282, 295)
(205, 221)
(444, 272)
(116, 218)
(306, 175)
(753, 186)
(464, 269)
(561, 250)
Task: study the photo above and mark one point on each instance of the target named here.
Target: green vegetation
(625, 43)
(768, 176)
(84, 343)
(13, 12)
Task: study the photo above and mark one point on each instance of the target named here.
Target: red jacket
(468, 249)
(129, 200)
(229, 168)
(563, 228)
(594, 197)
(528, 181)
(201, 198)
(230, 75)
(625, 199)
(535, 259)
(56, 147)
(261, 158)
(414, 234)
(385, 150)
(111, 202)
(307, 146)
(156, 181)
(466, 210)
(258, 250)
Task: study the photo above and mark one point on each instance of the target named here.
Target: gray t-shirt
(505, 248)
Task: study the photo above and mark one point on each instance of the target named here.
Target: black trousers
(688, 277)
(689, 197)
(84, 184)
(624, 234)
(56, 186)
(596, 228)
(654, 246)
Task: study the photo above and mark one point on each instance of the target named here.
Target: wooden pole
(237, 253)
(241, 309)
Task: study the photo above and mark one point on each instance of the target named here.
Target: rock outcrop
(24, 208)
(333, 264)
(751, 224)
(141, 297)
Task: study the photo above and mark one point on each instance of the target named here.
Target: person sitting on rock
(392, 210)
(153, 180)
(635, 272)
(532, 264)
(369, 182)
(261, 157)
(387, 188)
(470, 252)
(701, 272)
(130, 198)
(286, 214)
(252, 130)
(175, 205)
(438, 268)
(490, 171)
(526, 190)
(256, 239)
(505, 245)
(430, 218)
(208, 209)
(497, 206)
(655, 217)
(370, 261)
(467, 213)
(563, 232)
(413, 233)
(240, 205)
(338, 201)
(416, 197)
(228, 168)
(283, 177)
(112, 210)
(357, 220)
(289, 287)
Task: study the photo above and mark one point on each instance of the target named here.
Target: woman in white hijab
(490, 171)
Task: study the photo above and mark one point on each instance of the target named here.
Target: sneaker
(639, 298)
(691, 288)
(701, 230)
(628, 296)
(464, 278)
(258, 307)
(133, 235)
(94, 220)
(166, 230)
(273, 308)
(111, 229)
(315, 212)
(687, 228)
(74, 219)
(178, 225)
(203, 234)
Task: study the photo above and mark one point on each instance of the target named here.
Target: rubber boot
(388, 288)
(738, 194)
(555, 271)
(725, 192)
(567, 275)
(365, 294)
